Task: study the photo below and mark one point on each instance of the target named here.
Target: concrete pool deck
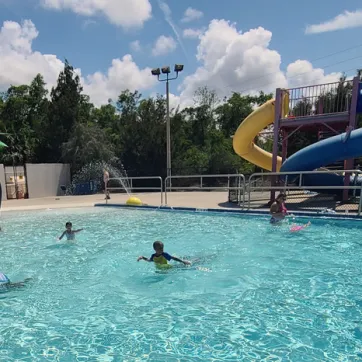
(206, 200)
(189, 199)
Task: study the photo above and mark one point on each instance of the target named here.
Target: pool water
(262, 293)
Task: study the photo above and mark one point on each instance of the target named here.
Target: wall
(45, 179)
(2, 181)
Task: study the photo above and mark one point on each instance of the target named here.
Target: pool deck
(193, 200)
(206, 200)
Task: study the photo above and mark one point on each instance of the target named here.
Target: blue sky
(91, 42)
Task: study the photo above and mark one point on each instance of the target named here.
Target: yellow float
(134, 201)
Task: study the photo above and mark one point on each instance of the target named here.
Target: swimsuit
(70, 236)
(161, 260)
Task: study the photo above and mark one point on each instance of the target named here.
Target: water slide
(243, 140)
(340, 147)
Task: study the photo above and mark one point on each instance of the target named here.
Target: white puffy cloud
(301, 73)
(192, 33)
(243, 62)
(164, 45)
(136, 46)
(228, 61)
(345, 20)
(122, 74)
(136, 13)
(191, 14)
(19, 64)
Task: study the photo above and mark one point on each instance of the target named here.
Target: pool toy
(293, 115)
(296, 228)
(134, 201)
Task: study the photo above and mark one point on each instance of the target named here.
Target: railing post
(277, 115)
(349, 164)
(360, 201)
(201, 182)
(249, 192)
(161, 190)
(165, 185)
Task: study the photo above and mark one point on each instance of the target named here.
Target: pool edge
(229, 211)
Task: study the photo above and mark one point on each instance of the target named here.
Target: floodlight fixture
(156, 71)
(179, 68)
(166, 70)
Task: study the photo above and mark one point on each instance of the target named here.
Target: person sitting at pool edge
(69, 233)
(161, 258)
(278, 211)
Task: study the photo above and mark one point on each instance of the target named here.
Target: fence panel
(305, 197)
(207, 183)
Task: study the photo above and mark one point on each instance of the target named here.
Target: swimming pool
(269, 295)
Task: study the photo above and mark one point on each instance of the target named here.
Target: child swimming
(160, 258)
(69, 233)
(6, 283)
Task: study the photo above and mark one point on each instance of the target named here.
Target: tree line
(64, 126)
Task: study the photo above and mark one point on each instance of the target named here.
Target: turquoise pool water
(267, 294)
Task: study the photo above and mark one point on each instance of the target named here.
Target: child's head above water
(281, 197)
(158, 246)
(68, 226)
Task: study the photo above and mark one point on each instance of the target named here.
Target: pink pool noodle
(296, 228)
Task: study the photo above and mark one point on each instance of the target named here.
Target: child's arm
(143, 258)
(61, 237)
(77, 231)
(186, 262)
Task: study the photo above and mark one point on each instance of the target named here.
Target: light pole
(157, 72)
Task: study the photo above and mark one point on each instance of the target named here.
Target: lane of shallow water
(267, 293)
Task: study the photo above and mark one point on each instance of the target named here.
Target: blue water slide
(337, 148)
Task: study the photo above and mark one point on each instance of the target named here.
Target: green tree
(64, 111)
(88, 143)
(15, 115)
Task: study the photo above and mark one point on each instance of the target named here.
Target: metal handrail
(240, 176)
(300, 187)
(136, 188)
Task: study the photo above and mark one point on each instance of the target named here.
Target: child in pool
(160, 258)
(69, 233)
(278, 211)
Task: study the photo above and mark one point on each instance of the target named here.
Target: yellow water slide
(243, 140)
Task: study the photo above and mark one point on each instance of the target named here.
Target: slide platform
(340, 147)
